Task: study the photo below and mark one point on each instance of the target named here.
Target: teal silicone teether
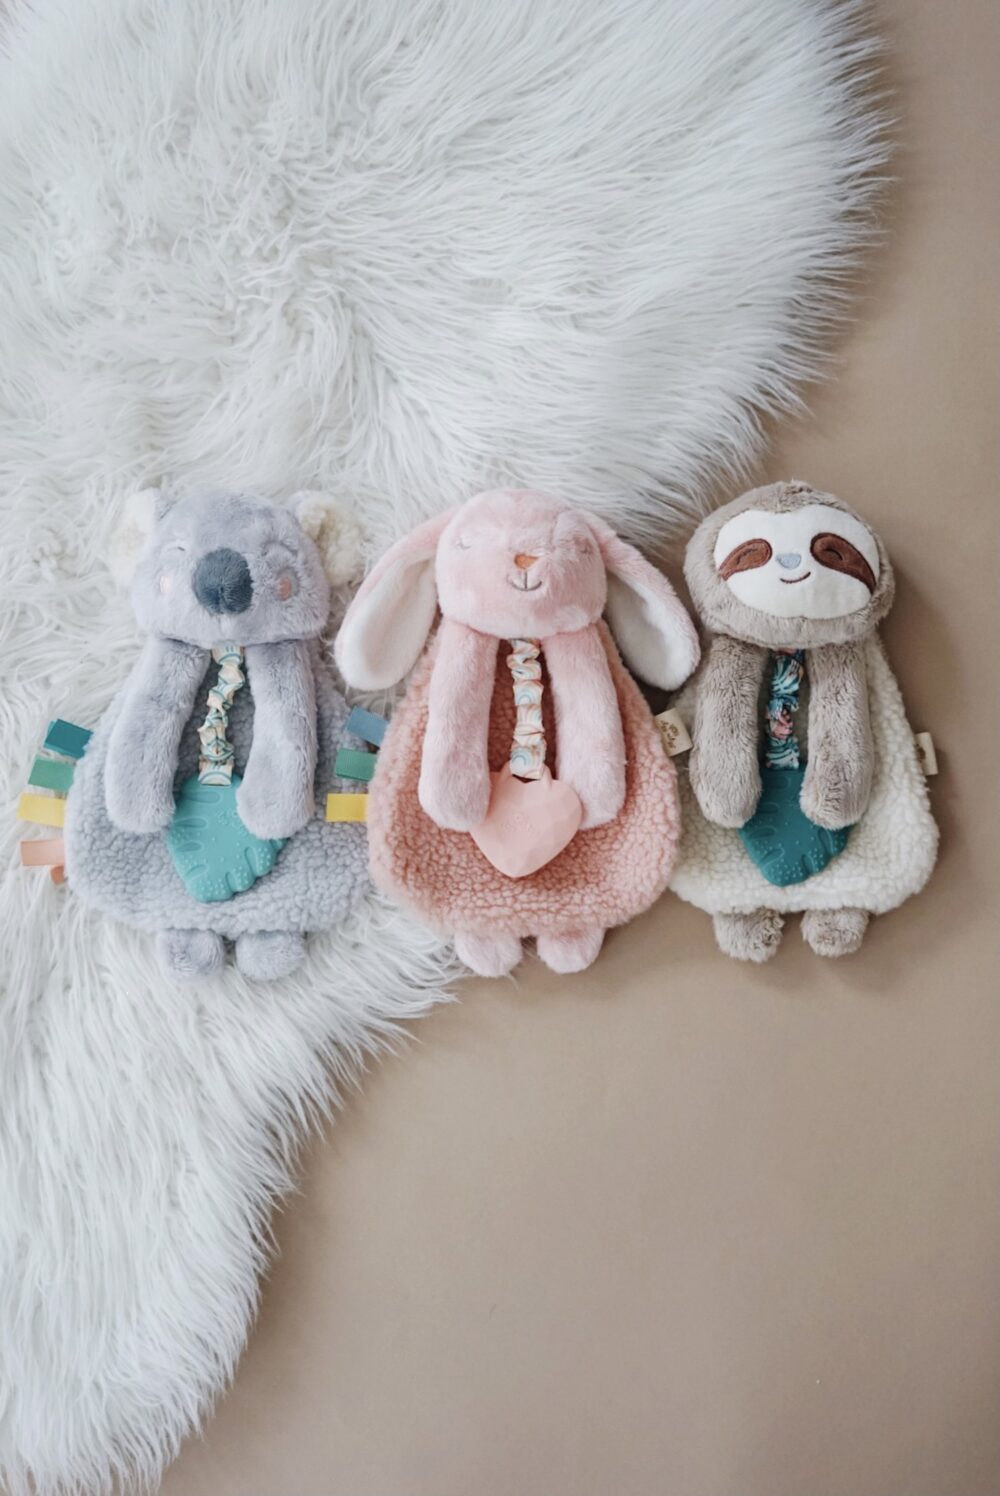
(780, 839)
(214, 853)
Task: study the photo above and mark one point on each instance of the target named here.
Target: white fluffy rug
(397, 250)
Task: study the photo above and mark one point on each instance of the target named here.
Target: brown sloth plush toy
(804, 791)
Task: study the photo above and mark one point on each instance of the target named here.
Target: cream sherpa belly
(888, 857)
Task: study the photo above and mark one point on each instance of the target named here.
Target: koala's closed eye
(838, 554)
(745, 557)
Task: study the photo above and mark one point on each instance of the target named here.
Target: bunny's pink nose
(525, 562)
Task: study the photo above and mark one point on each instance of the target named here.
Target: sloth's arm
(142, 750)
(277, 796)
(838, 777)
(724, 765)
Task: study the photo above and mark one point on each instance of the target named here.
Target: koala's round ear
(335, 533)
(139, 515)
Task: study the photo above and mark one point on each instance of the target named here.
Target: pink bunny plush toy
(522, 582)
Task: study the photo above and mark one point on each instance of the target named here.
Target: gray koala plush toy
(804, 792)
(231, 689)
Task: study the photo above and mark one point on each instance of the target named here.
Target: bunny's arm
(142, 749)
(590, 747)
(838, 777)
(277, 796)
(454, 785)
(724, 763)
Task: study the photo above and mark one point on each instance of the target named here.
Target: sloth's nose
(789, 560)
(524, 561)
(222, 582)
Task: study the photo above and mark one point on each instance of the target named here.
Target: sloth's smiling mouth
(790, 581)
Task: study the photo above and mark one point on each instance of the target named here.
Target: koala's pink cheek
(166, 583)
(285, 588)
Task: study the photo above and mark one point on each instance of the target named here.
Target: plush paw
(190, 953)
(749, 937)
(271, 815)
(488, 955)
(267, 955)
(141, 813)
(834, 932)
(601, 791)
(455, 801)
(574, 951)
(725, 799)
(835, 794)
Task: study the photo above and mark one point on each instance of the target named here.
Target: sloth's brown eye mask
(745, 557)
(839, 554)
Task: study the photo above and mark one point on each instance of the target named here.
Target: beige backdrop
(676, 1227)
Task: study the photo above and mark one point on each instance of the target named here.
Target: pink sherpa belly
(604, 877)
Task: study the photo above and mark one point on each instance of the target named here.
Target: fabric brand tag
(676, 738)
(926, 754)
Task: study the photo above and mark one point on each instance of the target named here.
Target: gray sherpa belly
(318, 876)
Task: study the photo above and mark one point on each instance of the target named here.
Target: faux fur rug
(399, 251)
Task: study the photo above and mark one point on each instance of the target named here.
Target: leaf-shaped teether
(781, 840)
(213, 852)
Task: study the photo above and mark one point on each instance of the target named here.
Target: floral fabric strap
(527, 751)
(215, 765)
(781, 746)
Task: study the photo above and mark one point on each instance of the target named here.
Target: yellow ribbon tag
(347, 807)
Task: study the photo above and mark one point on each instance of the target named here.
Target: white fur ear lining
(335, 533)
(654, 634)
(386, 626)
(139, 515)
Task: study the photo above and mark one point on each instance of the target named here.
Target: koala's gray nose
(222, 582)
(789, 560)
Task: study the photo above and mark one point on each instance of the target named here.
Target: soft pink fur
(433, 780)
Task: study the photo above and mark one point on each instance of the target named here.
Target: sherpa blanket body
(604, 877)
(402, 252)
(889, 855)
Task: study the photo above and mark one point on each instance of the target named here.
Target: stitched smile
(790, 581)
(523, 586)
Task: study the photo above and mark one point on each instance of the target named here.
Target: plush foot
(269, 954)
(834, 932)
(749, 937)
(488, 955)
(574, 951)
(190, 953)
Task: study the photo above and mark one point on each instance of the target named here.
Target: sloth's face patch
(814, 562)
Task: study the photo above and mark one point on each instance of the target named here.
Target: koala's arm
(838, 777)
(590, 748)
(725, 758)
(277, 796)
(142, 750)
(454, 787)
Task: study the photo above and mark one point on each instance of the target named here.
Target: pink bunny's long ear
(386, 626)
(650, 624)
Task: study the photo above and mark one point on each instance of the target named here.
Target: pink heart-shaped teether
(528, 823)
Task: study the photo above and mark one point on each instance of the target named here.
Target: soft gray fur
(221, 532)
(724, 764)
(285, 725)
